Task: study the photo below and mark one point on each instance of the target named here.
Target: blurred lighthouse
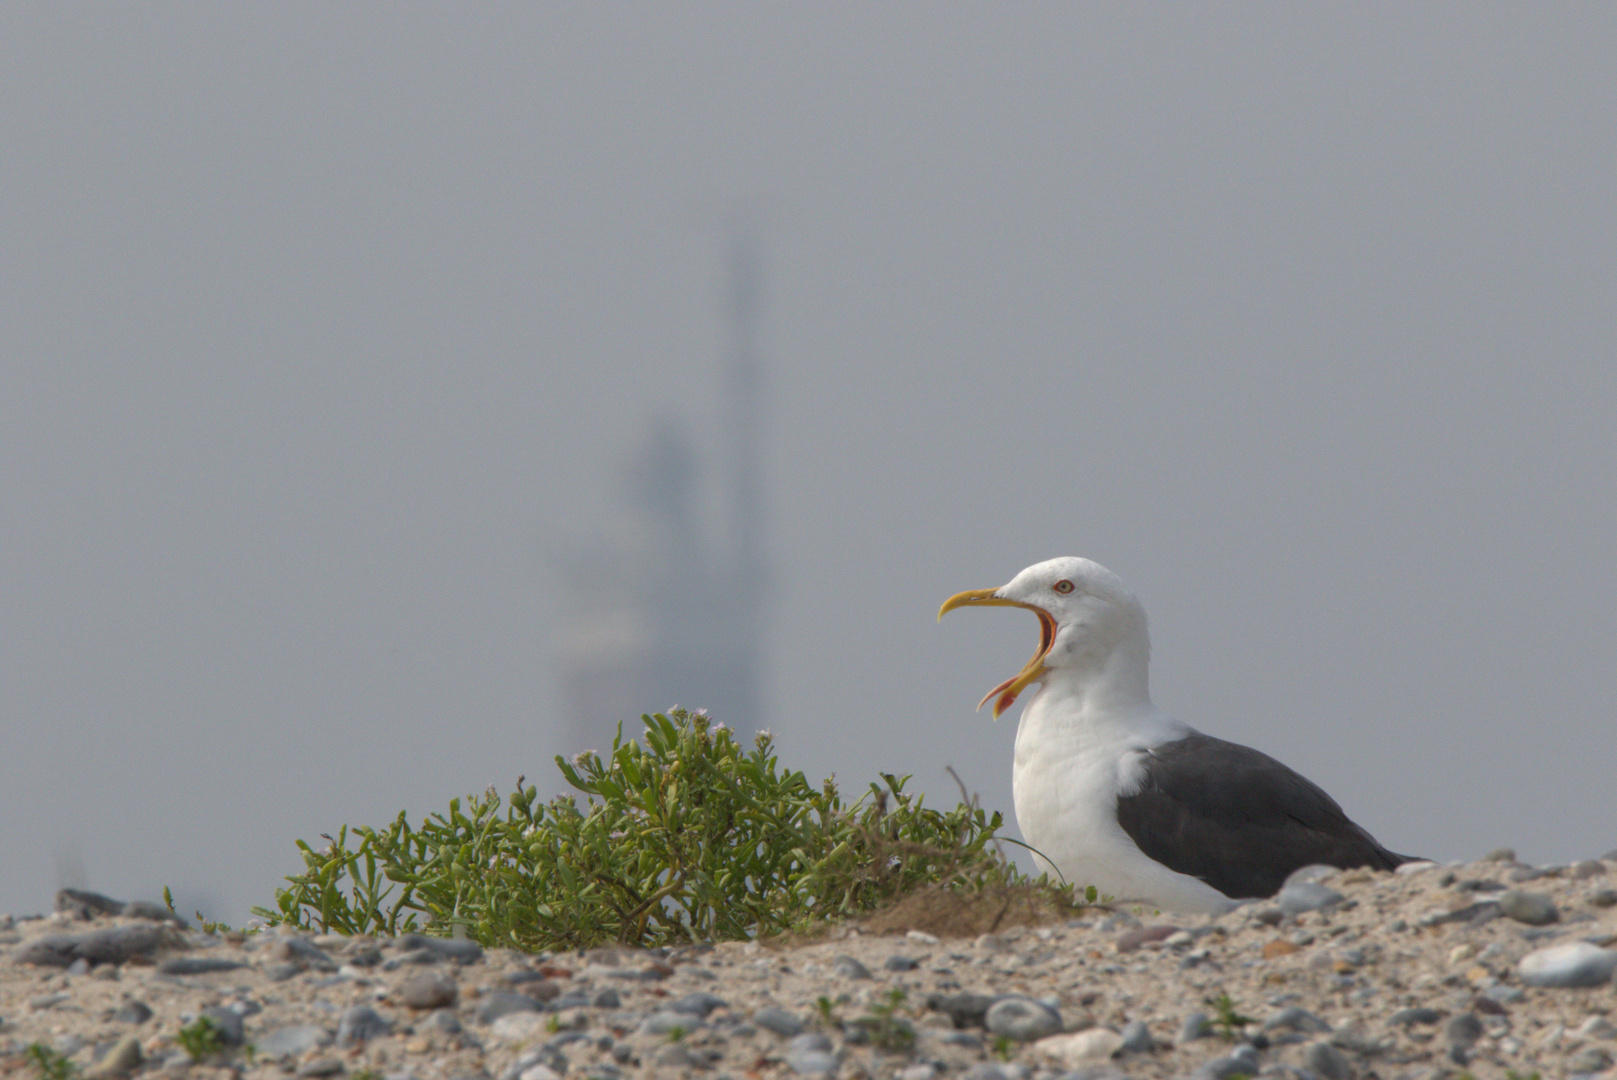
(663, 609)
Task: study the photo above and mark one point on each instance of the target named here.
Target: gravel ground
(1432, 972)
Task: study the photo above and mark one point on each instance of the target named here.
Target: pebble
(1242, 1061)
(115, 946)
(674, 1056)
(699, 1004)
(606, 999)
(121, 1060)
(1022, 1019)
(849, 968)
(459, 950)
(198, 965)
(1307, 896)
(1327, 1062)
(898, 962)
(1083, 1047)
(326, 1066)
(778, 1021)
(668, 1021)
(1603, 898)
(428, 991)
(1196, 1026)
(133, 1012)
(228, 1022)
(1296, 1019)
(1137, 1038)
(294, 1041)
(1418, 1015)
(1575, 964)
(966, 1010)
(810, 1054)
(1534, 909)
(503, 1003)
(360, 1025)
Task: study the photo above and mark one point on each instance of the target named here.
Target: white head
(1091, 628)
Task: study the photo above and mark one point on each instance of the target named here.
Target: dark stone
(501, 1003)
(302, 952)
(1604, 898)
(1137, 1038)
(849, 968)
(1022, 1019)
(197, 965)
(1406, 1017)
(86, 905)
(1327, 1062)
(900, 963)
(460, 950)
(145, 909)
(699, 1004)
(1296, 1020)
(966, 1010)
(133, 1012)
(113, 946)
(446, 1021)
(1464, 1030)
(1482, 1003)
(778, 1021)
(359, 1025)
(606, 999)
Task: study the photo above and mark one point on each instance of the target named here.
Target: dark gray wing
(1239, 820)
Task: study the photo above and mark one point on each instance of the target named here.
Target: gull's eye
(1062, 586)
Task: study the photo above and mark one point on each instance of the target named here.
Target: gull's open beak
(1005, 693)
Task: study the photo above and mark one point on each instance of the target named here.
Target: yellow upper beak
(1005, 693)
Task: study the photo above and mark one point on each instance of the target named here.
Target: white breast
(1070, 769)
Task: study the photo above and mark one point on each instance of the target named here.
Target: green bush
(690, 837)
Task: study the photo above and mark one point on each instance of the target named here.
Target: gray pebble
(1604, 898)
(320, 1067)
(502, 1003)
(121, 1060)
(810, 1054)
(360, 1025)
(699, 1004)
(113, 946)
(228, 1022)
(291, 1041)
(446, 1021)
(1463, 1030)
(1327, 1062)
(897, 962)
(675, 1056)
(1022, 1019)
(280, 972)
(1242, 1061)
(1504, 994)
(576, 999)
(778, 1021)
(606, 999)
(460, 950)
(1591, 1059)
(133, 1012)
(428, 991)
(1307, 896)
(197, 965)
(966, 1010)
(1406, 1017)
(849, 968)
(1503, 854)
(668, 1021)
(1137, 1038)
(1296, 1019)
(302, 953)
(1196, 1026)
(1534, 909)
(1313, 874)
(1575, 964)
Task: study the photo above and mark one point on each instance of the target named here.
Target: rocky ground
(1492, 969)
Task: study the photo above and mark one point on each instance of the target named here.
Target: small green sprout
(203, 1037)
(51, 1065)
(1230, 1022)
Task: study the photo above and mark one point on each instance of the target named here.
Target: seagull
(1112, 792)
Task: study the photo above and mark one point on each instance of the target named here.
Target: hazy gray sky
(323, 325)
